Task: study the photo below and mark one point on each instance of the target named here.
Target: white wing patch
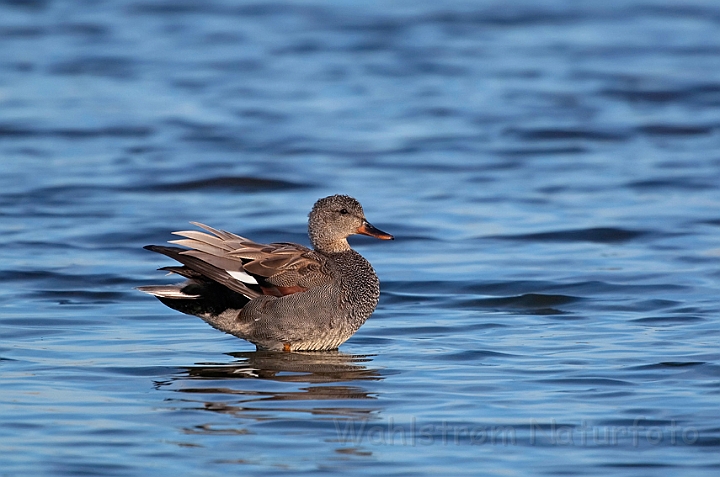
(167, 291)
(242, 277)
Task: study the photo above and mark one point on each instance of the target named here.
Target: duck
(280, 296)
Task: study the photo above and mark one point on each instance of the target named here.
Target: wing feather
(235, 261)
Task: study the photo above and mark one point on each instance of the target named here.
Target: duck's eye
(344, 211)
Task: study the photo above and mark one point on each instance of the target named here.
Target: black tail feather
(213, 299)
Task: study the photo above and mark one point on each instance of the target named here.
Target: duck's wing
(268, 269)
(199, 269)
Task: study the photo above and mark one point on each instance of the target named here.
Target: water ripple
(595, 234)
(231, 184)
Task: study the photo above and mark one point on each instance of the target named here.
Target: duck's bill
(368, 229)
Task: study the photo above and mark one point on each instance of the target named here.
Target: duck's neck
(334, 246)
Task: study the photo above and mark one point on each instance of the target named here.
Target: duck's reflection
(310, 367)
(253, 384)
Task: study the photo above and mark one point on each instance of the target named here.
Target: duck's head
(334, 218)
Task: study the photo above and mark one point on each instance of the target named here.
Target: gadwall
(278, 296)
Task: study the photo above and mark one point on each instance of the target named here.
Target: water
(550, 172)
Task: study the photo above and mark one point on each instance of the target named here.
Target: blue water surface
(551, 173)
